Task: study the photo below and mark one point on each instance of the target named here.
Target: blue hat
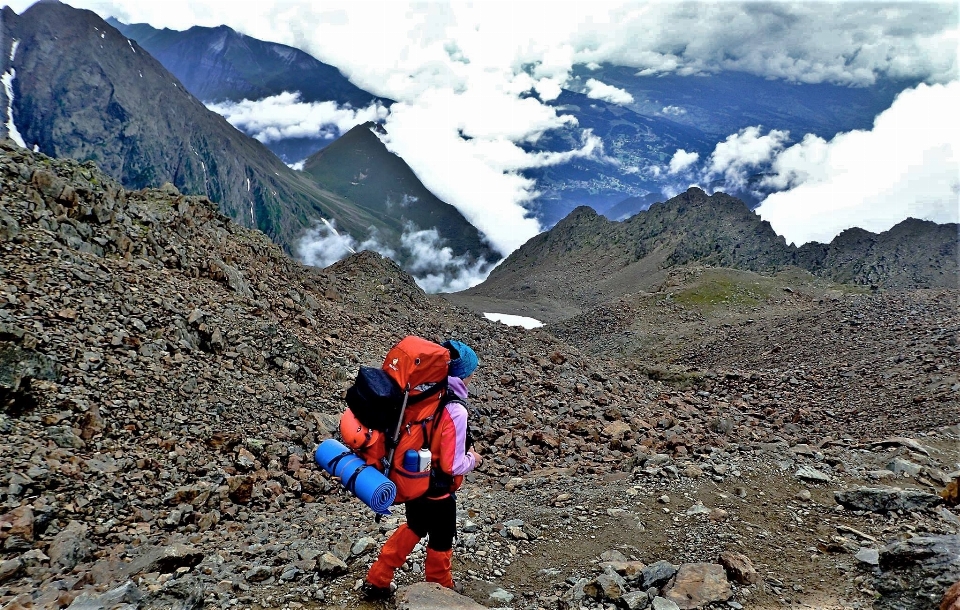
(464, 360)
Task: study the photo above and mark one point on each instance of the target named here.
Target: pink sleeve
(461, 462)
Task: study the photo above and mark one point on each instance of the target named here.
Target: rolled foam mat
(368, 484)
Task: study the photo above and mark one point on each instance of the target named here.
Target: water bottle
(425, 459)
(411, 460)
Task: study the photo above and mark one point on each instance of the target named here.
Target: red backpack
(396, 408)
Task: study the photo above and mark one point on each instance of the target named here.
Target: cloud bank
(433, 265)
(285, 116)
(907, 165)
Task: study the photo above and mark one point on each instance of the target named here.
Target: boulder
(70, 546)
(697, 585)
(164, 559)
(126, 595)
(16, 528)
(739, 568)
(656, 574)
(240, 489)
(431, 596)
(609, 586)
(886, 499)
(915, 572)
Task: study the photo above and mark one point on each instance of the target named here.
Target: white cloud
(602, 91)
(458, 68)
(673, 110)
(743, 151)
(423, 254)
(285, 116)
(435, 267)
(682, 160)
(908, 165)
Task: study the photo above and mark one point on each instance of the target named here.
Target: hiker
(435, 513)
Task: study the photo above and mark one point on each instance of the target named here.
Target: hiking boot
(371, 592)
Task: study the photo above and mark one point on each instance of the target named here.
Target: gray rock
(809, 473)
(233, 278)
(608, 586)
(164, 559)
(70, 546)
(363, 546)
(885, 499)
(635, 600)
(184, 593)
(431, 596)
(868, 556)
(125, 597)
(64, 437)
(501, 596)
(10, 568)
(258, 573)
(330, 564)
(916, 572)
(656, 574)
(661, 603)
(901, 466)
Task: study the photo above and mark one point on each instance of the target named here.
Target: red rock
(951, 599)
(698, 584)
(241, 489)
(18, 522)
(739, 567)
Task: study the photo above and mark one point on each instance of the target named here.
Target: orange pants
(395, 552)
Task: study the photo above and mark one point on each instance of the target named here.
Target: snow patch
(131, 48)
(248, 185)
(7, 80)
(511, 320)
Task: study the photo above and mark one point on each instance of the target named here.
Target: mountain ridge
(83, 90)
(586, 259)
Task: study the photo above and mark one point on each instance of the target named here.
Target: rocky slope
(85, 91)
(166, 373)
(587, 260)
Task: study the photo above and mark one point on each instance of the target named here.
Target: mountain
(359, 168)
(217, 64)
(220, 64)
(586, 259)
(85, 91)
